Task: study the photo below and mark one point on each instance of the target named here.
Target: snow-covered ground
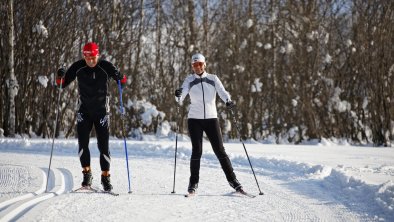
(321, 182)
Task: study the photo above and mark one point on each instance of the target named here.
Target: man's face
(91, 61)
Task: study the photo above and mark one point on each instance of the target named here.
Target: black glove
(178, 92)
(230, 105)
(61, 72)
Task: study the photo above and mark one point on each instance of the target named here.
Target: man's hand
(60, 76)
(61, 72)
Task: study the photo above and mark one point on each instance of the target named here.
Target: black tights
(212, 130)
(101, 125)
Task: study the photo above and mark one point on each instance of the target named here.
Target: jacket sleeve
(71, 73)
(185, 88)
(223, 94)
(112, 70)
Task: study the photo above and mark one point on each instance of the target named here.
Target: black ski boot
(106, 182)
(236, 185)
(87, 179)
(192, 188)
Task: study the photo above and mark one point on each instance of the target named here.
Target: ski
(88, 189)
(109, 192)
(190, 194)
(85, 189)
(242, 192)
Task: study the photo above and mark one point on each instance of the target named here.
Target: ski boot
(236, 185)
(87, 179)
(106, 182)
(192, 188)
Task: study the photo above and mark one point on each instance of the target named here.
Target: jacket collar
(205, 74)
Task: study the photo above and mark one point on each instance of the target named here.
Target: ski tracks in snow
(151, 199)
(277, 204)
(60, 182)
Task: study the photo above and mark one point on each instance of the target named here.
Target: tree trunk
(12, 82)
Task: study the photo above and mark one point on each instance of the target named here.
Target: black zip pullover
(92, 83)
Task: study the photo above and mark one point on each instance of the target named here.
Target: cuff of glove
(123, 81)
(60, 81)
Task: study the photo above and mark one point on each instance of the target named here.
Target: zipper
(94, 75)
(203, 96)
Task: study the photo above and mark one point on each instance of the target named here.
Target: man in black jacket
(93, 76)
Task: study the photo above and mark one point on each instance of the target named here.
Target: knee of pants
(221, 154)
(196, 155)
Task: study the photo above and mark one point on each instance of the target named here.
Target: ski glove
(178, 92)
(61, 72)
(59, 81)
(60, 76)
(230, 105)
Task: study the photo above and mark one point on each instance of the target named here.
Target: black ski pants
(212, 130)
(85, 123)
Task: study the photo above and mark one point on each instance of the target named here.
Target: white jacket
(202, 91)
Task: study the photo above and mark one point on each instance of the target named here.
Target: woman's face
(198, 67)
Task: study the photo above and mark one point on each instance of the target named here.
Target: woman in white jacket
(202, 117)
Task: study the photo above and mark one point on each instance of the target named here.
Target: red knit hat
(90, 49)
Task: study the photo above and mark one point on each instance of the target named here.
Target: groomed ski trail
(60, 182)
(152, 186)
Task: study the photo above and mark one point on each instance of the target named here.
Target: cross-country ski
(93, 190)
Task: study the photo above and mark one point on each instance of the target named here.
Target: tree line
(296, 69)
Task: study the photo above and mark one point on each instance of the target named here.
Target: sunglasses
(197, 64)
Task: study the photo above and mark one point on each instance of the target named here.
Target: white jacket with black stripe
(202, 91)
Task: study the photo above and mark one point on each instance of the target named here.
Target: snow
(41, 29)
(322, 182)
(43, 80)
(256, 86)
(249, 23)
(328, 59)
(339, 105)
(267, 46)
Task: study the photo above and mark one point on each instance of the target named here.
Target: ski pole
(123, 132)
(176, 146)
(54, 132)
(240, 138)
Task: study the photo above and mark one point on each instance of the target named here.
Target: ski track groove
(59, 183)
(11, 201)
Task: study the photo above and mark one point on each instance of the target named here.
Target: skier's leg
(84, 126)
(212, 130)
(196, 133)
(101, 125)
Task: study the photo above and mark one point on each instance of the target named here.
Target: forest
(297, 70)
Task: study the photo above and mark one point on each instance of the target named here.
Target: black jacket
(92, 83)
